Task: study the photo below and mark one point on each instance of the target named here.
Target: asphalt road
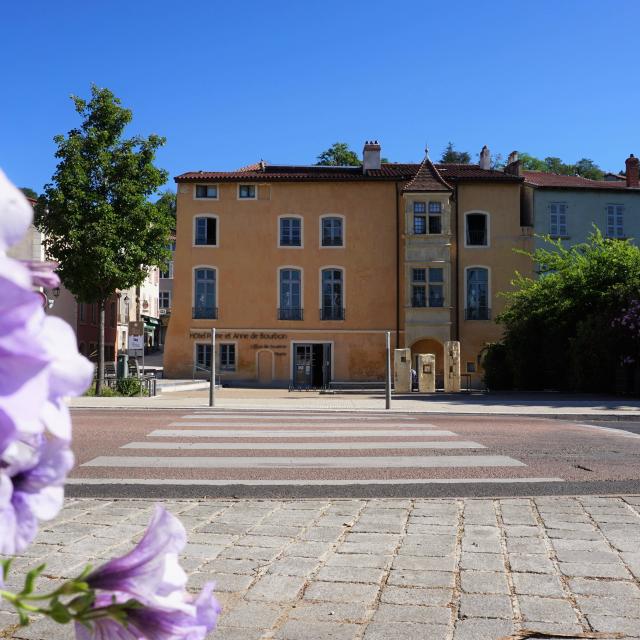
(200, 453)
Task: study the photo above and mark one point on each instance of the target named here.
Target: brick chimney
(485, 158)
(633, 171)
(371, 155)
(513, 164)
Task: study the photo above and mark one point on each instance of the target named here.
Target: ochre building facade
(302, 270)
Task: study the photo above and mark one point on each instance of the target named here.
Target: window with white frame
(558, 219)
(168, 272)
(207, 191)
(165, 299)
(203, 356)
(205, 293)
(427, 287)
(435, 218)
(206, 232)
(332, 231)
(332, 295)
(290, 294)
(615, 221)
(290, 232)
(227, 356)
(477, 232)
(247, 191)
(477, 299)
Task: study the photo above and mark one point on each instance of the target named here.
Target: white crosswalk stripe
(359, 449)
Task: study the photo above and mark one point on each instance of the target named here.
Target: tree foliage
(450, 155)
(29, 192)
(167, 203)
(340, 155)
(99, 224)
(584, 167)
(562, 329)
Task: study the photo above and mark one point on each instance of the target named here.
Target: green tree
(585, 167)
(99, 224)
(531, 163)
(339, 155)
(450, 155)
(29, 192)
(560, 328)
(167, 203)
(589, 169)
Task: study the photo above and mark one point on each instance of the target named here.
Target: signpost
(212, 381)
(136, 340)
(388, 372)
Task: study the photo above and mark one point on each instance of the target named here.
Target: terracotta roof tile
(556, 181)
(427, 178)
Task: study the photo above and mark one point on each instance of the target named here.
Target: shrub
(129, 386)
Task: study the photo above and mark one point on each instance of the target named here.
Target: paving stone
(614, 589)
(228, 565)
(43, 629)
(481, 546)
(630, 626)
(522, 531)
(417, 596)
(351, 574)
(588, 557)
(485, 606)
(323, 534)
(341, 592)
(482, 629)
(329, 611)
(257, 615)
(262, 541)
(482, 561)
(526, 545)
(276, 588)
(231, 582)
(425, 563)
(358, 560)
(594, 570)
(276, 530)
(483, 582)
(249, 553)
(537, 584)
(412, 613)
(407, 578)
(563, 628)
(292, 566)
(530, 563)
(580, 545)
(546, 610)
(303, 630)
(632, 561)
(405, 631)
(609, 606)
(573, 535)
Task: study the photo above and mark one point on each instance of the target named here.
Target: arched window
(477, 299)
(332, 232)
(290, 294)
(332, 295)
(204, 293)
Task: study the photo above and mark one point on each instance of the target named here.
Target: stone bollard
(402, 370)
(452, 366)
(426, 373)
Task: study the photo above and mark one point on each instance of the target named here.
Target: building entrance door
(312, 365)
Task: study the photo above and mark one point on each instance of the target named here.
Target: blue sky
(229, 83)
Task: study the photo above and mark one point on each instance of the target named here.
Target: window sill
(554, 236)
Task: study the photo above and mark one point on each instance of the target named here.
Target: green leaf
(30, 580)
(59, 612)
(6, 566)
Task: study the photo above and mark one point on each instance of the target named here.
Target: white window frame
(247, 184)
(466, 290)
(487, 217)
(160, 297)
(427, 282)
(193, 287)
(286, 267)
(616, 206)
(219, 368)
(216, 217)
(555, 229)
(195, 351)
(344, 231)
(169, 269)
(289, 246)
(344, 289)
(205, 184)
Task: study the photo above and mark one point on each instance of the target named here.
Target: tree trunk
(100, 377)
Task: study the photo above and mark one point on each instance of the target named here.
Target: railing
(204, 313)
(290, 313)
(476, 238)
(202, 370)
(432, 303)
(332, 313)
(477, 313)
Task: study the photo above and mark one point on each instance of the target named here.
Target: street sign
(135, 343)
(136, 328)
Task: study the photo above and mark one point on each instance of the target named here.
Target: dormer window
(209, 191)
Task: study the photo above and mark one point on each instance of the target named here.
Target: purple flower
(39, 365)
(151, 575)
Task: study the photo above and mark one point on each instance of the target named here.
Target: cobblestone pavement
(450, 569)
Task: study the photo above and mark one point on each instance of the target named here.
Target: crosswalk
(218, 448)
